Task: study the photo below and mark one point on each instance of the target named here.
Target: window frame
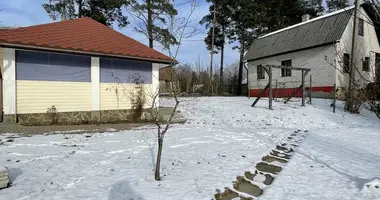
(366, 62)
(361, 27)
(261, 72)
(286, 72)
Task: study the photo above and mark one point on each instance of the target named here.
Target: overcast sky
(30, 12)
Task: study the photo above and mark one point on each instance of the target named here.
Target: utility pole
(350, 100)
(212, 49)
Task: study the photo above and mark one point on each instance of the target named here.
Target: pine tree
(334, 5)
(244, 29)
(247, 20)
(151, 16)
(314, 7)
(277, 14)
(222, 24)
(104, 11)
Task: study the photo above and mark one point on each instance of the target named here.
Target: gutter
(30, 47)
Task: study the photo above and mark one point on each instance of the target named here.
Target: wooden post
(297, 90)
(303, 88)
(334, 102)
(248, 85)
(276, 89)
(350, 99)
(270, 87)
(260, 95)
(310, 91)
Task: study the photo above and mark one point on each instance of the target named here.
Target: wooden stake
(270, 87)
(310, 91)
(303, 88)
(334, 101)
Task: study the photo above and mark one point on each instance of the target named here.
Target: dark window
(346, 63)
(260, 72)
(114, 70)
(361, 27)
(377, 69)
(286, 72)
(45, 66)
(366, 64)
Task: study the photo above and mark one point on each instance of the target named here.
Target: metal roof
(315, 32)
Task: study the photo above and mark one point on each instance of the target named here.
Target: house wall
(44, 80)
(38, 96)
(82, 101)
(114, 96)
(320, 60)
(366, 46)
(118, 88)
(9, 84)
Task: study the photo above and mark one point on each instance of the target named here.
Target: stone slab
(4, 180)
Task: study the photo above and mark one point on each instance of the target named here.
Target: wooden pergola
(268, 70)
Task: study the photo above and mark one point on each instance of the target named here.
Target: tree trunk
(149, 27)
(240, 77)
(158, 160)
(80, 7)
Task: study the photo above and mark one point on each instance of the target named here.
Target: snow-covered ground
(223, 138)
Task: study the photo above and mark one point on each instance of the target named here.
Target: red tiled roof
(83, 35)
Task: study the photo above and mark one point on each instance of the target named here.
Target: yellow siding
(38, 96)
(119, 96)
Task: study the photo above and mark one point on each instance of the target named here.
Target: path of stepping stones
(252, 184)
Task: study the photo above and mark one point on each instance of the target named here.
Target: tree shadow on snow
(13, 174)
(122, 191)
(359, 182)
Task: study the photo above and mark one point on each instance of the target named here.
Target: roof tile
(318, 31)
(83, 34)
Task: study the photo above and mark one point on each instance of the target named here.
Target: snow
(372, 189)
(223, 138)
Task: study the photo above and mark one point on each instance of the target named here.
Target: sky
(30, 12)
(21, 13)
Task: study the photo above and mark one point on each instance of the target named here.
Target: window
(366, 64)
(377, 68)
(114, 70)
(45, 66)
(286, 72)
(361, 27)
(346, 63)
(260, 72)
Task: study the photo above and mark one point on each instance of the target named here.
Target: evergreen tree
(151, 18)
(222, 15)
(278, 14)
(314, 7)
(103, 11)
(334, 5)
(247, 20)
(244, 29)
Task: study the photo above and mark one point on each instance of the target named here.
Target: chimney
(305, 18)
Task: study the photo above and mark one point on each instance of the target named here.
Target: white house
(322, 44)
(74, 71)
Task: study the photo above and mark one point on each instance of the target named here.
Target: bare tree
(180, 28)
(365, 87)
